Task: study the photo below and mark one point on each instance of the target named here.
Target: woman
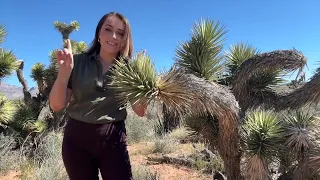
(95, 134)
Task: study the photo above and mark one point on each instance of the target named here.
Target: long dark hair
(127, 45)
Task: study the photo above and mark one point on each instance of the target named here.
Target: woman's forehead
(114, 21)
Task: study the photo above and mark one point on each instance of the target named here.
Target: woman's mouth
(111, 43)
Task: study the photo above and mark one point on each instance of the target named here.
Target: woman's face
(111, 34)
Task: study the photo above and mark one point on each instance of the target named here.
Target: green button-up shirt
(91, 104)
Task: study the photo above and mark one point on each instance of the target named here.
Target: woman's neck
(107, 57)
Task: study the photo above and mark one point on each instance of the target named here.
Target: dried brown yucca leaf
(256, 169)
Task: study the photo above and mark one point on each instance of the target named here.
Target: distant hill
(15, 92)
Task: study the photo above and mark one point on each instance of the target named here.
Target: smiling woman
(95, 135)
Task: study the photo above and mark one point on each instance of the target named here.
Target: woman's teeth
(111, 43)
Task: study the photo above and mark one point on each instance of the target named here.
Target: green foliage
(237, 54)
(262, 134)
(22, 119)
(298, 128)
(201, 54)
(140, 172)
(3, 33)
(9, 159)
(66, 29)
(164, 145)
(138, 129)
(134, 80)
(8, 63)
(38, 72)
(7, 110)
(206, 126)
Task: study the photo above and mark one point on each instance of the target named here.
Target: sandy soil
(139, 154)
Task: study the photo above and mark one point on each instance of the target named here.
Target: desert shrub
(9, 159)
(164, 145)
(141, 172)
(48, 160)
(138, 129)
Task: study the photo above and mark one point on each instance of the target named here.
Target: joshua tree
(45, 78)
(212, 110)
(8, 63)
(189, 89)
(66, 29)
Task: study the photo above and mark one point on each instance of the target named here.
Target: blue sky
(159, 26)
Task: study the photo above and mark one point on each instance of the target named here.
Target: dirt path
(11, 175)
(139, 156)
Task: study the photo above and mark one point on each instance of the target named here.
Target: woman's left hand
(140, 108)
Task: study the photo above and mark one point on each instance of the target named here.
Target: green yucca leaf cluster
(8, 63)
(7, 110)
(201, 54)
(134, 80)
(3, 33)
(23, 117)
(38, 72)
(262, 133)
(262, 136)
(66, 29)
(237, 54)
(297, 128)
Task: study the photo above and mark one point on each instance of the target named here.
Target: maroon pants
(88, 148)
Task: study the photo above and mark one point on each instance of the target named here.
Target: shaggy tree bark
(219, 101)
(170, 120)
(286, 60)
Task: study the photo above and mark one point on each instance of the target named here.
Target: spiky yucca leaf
(262, 134)
(3, 33)
(37, 126)
(79, 48)
(138, 81)
(174, 93)
(203, 126)
(201, 54)
(297, 128)
(237, 54)
(38, 71)
(66, 29)
(7, 110)
(23, 116)
(134, 80)
(8, 63)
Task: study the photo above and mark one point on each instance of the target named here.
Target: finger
(59, 55)
(65, 51)
(69, 46)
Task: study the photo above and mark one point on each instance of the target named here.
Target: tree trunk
(229, 147)
(170, 120)
(220, 102)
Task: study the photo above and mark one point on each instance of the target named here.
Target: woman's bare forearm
(60, 94)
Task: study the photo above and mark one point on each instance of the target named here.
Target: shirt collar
(94, 56)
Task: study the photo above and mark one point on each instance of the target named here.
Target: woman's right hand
(65, 61)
